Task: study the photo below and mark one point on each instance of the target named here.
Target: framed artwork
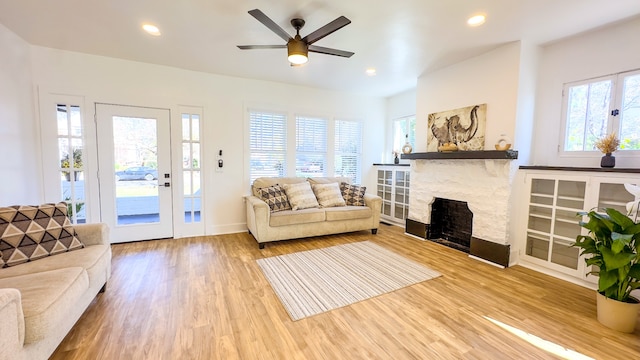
(464, 128)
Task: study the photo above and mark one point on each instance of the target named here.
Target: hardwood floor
(206, 298)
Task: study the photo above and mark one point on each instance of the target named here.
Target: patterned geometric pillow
(301, 196)
(29, 233)
(275, 197)
(353, 194)
(328, 195)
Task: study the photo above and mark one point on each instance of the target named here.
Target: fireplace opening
(451, 224)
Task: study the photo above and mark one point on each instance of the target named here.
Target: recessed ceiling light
(476, 20)
(151, 29)
(371, 72)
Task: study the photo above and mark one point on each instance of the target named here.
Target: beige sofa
(40, 301)
(266, 226)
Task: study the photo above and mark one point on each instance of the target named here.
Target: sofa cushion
(300, 196)
(29, 233)
(353, 194)
(328, 195)
(263, 182)
(348, 213)
(95, 259)
(47, 297)
(290, 217)
(275, 197)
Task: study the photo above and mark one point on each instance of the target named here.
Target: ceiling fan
(298, 47)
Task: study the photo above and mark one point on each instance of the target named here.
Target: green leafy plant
(612, 243)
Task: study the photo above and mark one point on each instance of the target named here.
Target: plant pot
(617, 315)
(608, 161)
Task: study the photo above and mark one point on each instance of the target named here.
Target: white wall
(596, 53)
(224, 100)
(490, 78)
(20, 181)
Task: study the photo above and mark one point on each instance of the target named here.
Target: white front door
(134, 161)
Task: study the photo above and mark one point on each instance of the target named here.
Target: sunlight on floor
(541, 343)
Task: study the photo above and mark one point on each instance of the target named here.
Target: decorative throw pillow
(29, 233)
(300, 196)
(328, 195)
(353, 194)
(275, 197)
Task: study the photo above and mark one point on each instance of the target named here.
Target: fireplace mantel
(468, 155)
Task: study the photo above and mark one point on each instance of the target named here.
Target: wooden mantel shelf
(486, 154)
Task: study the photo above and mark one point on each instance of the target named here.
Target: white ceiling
(402, 39)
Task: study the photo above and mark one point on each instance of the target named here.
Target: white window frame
(407, 131)
(321, 152)
(289, 168)
(192, 228)
(613, 122)
(250, 151)
(358, 153)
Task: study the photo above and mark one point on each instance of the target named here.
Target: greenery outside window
(596, 107)
(70, 154)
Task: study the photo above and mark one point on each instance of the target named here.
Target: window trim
(613, 122)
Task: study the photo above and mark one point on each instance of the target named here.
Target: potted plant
(607, 145)
(612, 243)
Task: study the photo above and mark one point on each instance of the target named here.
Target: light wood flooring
(206, 298)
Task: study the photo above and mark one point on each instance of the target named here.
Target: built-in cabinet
(554, 199)
(393, 188)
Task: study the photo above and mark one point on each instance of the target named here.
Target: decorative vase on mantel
(608, 161)
(396, 160)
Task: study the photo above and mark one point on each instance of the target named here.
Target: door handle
(166, 184)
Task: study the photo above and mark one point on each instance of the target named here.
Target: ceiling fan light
(298, 59)
(297, 51)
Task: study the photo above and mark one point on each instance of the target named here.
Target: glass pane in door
(135, 160)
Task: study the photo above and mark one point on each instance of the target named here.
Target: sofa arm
(12, 333)
(258, 215)
(93, 234)
(373, 201)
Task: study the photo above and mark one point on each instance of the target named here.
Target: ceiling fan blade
(251, 47)
(266, 21)
(331, 27)
(329, 51)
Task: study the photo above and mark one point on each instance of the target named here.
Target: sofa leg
(374, 231)
(261, 245)
(104, 288)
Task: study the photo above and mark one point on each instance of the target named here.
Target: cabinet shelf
(538, 235)
(545, 235)
(570, 198)
(542, 195)
(563, 240)
(540, 216)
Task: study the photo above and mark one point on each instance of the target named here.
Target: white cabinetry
(554, 199)
(393, 188)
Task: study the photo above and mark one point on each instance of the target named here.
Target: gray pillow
(328, 195)
(300, 196)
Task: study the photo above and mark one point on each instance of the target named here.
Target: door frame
(106, 174)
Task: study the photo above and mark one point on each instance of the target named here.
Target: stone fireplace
(451, 223)
(484, 185)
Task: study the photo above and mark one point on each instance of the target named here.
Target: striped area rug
(312, 282)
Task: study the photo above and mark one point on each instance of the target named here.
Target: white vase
(617, 315)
